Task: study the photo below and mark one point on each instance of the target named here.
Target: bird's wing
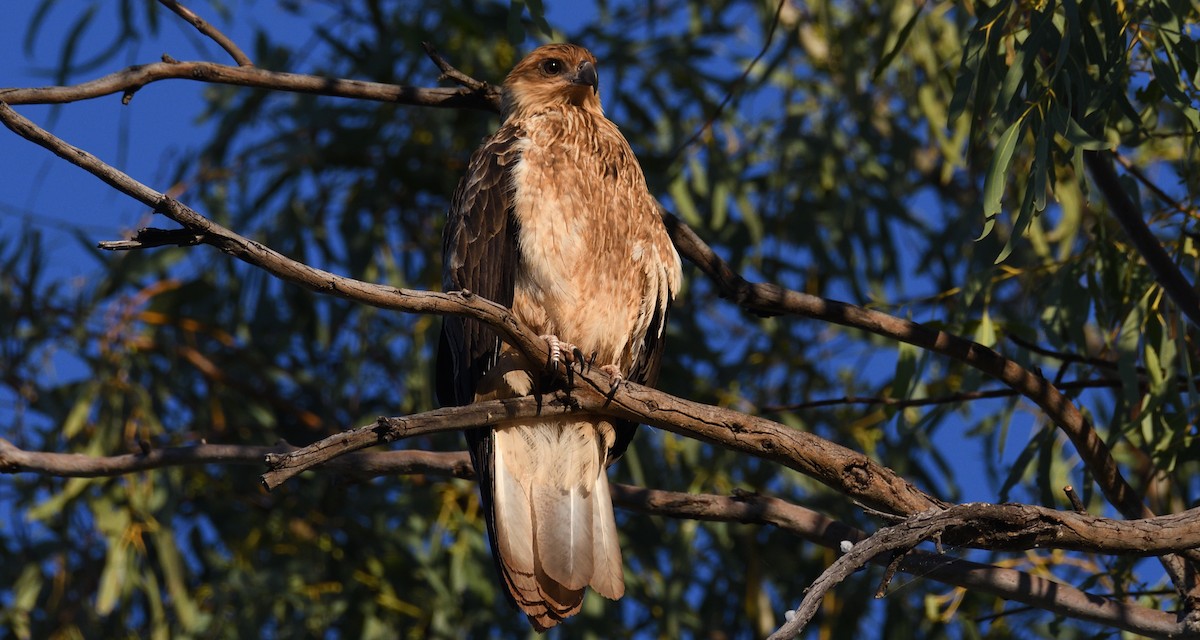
(479, 254)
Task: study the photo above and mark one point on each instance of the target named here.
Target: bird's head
(553, 76)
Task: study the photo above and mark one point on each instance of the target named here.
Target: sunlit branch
(131, 79)
(212, 32)
(773, 300)
(1009, 584)
(848, 471)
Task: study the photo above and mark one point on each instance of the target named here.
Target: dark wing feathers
(479, 254)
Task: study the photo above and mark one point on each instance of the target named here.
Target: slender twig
(449, 72)
(1068, 358)
(1166, 272)
(950, 398)
(1158, 191)
(737, 84)
(133, 78)
(1076, 503)
(207, 29)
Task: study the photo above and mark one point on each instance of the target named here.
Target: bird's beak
(586, 75)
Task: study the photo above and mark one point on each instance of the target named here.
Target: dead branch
(1009, 584)
(212, 32)
(129, 80)
(847, 471)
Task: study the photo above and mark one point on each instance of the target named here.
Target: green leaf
(1020, 224)
(997, 175)
(113, 582)
(901, 38)
(77, 419)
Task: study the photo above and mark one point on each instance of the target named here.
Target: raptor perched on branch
(554, 220)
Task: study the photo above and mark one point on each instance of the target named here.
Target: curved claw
(617, 378)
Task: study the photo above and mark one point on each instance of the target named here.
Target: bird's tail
(554, 528)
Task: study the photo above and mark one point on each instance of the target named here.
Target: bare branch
(131, 79)
(950, 398)
(1009, 584)
(847, 471)
(769, 299)
(737, 84)
(451, 73)
(212, 32)
(993, 522)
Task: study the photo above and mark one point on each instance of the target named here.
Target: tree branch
(1004, 583)
(129, 80)
(773, 300)
(212, 32)
(1181, 292)
(847, 471)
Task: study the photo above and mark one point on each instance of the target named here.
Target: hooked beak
(586, 75)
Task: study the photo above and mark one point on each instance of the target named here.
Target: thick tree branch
(846, 471)
(1009, 584)
(1181, 292)
(773, 300)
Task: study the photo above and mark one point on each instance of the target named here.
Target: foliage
(923, 159)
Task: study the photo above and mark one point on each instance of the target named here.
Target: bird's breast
(594, 255)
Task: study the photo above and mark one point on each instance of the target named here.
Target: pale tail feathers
(510, 496)
(608, 572)
(553, 517)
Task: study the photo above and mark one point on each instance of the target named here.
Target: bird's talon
(617, 378)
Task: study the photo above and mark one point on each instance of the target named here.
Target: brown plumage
(553, 219)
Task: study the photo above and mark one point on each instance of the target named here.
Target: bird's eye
(552, 67)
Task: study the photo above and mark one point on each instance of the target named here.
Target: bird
(554, 220)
